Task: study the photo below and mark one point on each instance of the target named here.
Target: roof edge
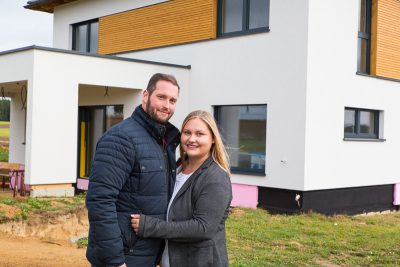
(58, 50)
(46, 5)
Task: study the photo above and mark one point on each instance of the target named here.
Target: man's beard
(153, 113)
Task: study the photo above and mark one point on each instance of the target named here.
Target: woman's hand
(135, 222)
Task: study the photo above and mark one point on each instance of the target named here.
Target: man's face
(160, 105)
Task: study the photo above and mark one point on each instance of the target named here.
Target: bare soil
(43, 239)
(34, 252)
(9, 211)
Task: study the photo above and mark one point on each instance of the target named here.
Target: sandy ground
(33, 252)
(43, 239)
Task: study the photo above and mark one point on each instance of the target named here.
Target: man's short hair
(151, 86)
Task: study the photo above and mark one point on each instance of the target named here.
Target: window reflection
(244, 131)
(114, 114)
(350, 121)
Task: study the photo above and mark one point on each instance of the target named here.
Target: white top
(180, 180)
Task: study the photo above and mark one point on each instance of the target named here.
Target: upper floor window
(85, 36)
(242, 16)
(361, 123)
(243, 129)
(364, 37)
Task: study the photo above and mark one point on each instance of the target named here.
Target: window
(364, 37)
(85, 36)
(93, 122)
(361, 123)
(243, 129)
(114, 115)
(243, 16)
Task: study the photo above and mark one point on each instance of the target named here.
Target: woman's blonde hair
(218, 150)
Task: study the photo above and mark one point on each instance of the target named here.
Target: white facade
(332, 85)
(57, 83)
(304, 70)
(220, 76)
(306, 74)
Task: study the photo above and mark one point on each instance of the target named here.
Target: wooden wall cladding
(387, 54)
(168, 23)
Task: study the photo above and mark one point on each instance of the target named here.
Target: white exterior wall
(17, 67)
(266, 68)
(84, 10)
(95, 95)
(53, 121)
(52, 144)
(332, 85)
(304, 69)
(17, 131)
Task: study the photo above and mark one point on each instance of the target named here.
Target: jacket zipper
(164, 151)
(130, 241)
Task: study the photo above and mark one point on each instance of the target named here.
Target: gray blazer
(196, 226)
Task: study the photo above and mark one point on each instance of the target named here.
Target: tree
(5, 109)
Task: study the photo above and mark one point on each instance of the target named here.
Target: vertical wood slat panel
(374, 20)
(168, 23)
(387, 58)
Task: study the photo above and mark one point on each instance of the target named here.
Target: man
(133, 171)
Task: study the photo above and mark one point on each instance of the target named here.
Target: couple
(138, 196)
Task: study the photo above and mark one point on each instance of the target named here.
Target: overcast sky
(20, 27)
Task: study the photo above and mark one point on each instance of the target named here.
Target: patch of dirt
(236, 212)
(326, 263)
(376, 213)
(4, 142)
(9, 211)
(33, 252)
(51, 226)
(298, 245)
(44, 240)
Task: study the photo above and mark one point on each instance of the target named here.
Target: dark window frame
(88, 34)
(366, 36)
(241, 170)
(245, 21)
(357, 133)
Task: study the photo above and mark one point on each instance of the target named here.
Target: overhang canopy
(46, 86)
(46, 5)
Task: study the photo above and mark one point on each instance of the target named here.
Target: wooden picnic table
(9, 170)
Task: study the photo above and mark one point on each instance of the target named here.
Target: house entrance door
(93, 122)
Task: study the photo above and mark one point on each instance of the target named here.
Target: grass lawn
(21, 208)
(256, 238)
(5, 132)
(4, 154)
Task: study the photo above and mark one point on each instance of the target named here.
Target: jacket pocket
(128, 236)
(152, 177)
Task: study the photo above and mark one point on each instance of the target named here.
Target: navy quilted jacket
(133, 171)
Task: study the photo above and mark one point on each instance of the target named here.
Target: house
(305, 92)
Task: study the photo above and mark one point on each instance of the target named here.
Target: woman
(195, 226)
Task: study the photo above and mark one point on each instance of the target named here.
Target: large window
(364, 37)
(85, 36)
(242, 16)
(243, 129)
(361, 123)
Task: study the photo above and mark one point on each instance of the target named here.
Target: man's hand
(135, 222)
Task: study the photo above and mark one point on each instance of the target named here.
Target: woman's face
(196, 139)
